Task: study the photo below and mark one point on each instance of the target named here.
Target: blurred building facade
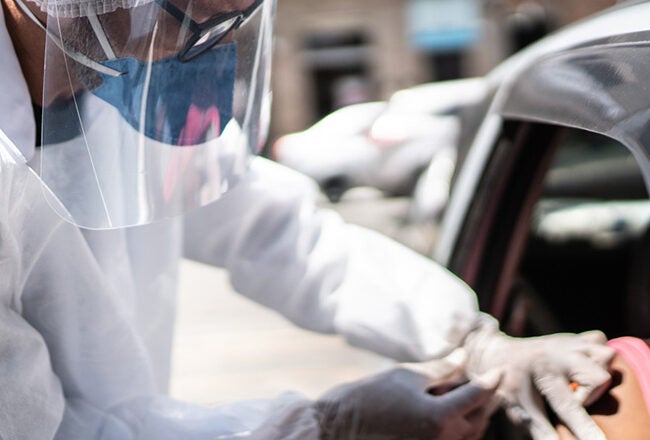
(330, 53)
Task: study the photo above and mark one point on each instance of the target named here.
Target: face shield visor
(154, 109)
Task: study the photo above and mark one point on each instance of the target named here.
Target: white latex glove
(396, 405)
(545, 366)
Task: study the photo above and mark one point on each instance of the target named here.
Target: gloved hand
(545, 366)
(395, 405)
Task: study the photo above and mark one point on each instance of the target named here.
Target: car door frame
(499, 184)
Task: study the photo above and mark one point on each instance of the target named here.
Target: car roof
(592, 76)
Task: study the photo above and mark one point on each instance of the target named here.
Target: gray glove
(545, 367)
(396, 405)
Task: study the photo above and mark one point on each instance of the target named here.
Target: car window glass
(594, 190)
(585, 264)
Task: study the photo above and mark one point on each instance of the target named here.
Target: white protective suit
(86, 316)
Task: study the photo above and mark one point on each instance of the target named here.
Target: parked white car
(386, 145)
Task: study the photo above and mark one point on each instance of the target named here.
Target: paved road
(228, 348)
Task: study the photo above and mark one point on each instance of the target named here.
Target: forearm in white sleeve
(325, 275)
(399, 303)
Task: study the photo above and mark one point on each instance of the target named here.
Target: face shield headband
(152, 111)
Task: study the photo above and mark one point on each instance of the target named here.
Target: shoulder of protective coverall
(14, 183)
(26, 222)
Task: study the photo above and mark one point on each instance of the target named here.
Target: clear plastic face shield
(152, 110)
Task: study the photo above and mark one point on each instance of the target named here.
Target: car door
(596, 95)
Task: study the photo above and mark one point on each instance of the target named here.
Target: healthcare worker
(146, 110)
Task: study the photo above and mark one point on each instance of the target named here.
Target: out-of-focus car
(386, 145)
(549, 215)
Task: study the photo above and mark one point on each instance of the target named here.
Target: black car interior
(585, 264)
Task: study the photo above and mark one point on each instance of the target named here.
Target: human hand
(396, 405)
(545, 367)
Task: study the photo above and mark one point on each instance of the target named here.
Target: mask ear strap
(78, 57)
(101, 36)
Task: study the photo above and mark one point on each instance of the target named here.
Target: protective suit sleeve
(325, 275)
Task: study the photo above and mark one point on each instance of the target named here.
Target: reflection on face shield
(159, 30)
(209, 33)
